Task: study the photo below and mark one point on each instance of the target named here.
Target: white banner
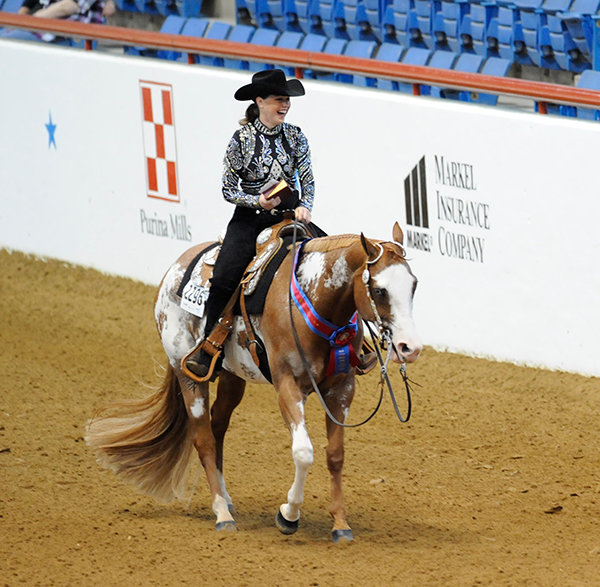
(115, 163)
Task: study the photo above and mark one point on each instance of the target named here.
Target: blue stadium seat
(422, 22)
(389, 24)
(467, 63)
(321, 17)
(193, 27)
(346, 10)
(11, 6)
(331, 47)
(147, 6)
(580, 25)
(289, 40)
(240, 33)
(312, 42)
(172, 25)
(387, 52)
(492, 66)
(220, 31)
(448, 17)
(366, 30)
(269, 14)
(361, 49)
(242, 12)
(405, 20)
(414, 56)
(529, 21)
(189, 8)
(339, 28)
(267, 37)
(374, 11)
(439, 60)
(295, 13)
(127, 5)
(475, 26)
(589, 80)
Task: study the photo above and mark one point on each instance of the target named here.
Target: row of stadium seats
(554, 34)
(391, 52)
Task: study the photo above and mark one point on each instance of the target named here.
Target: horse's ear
(397, 234)
(368, 246)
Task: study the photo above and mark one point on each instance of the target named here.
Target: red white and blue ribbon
(342, 356)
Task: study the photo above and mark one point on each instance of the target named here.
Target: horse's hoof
(229, 525)
(342, 535)
(284, 526)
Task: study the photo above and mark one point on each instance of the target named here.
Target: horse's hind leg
(196, 400)
(291, 404)
(339, 404)
(230, 392)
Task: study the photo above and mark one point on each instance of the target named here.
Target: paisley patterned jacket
(256, 154)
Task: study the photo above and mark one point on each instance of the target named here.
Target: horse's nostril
(405, 349)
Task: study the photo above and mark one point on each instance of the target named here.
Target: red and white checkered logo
(159, 141)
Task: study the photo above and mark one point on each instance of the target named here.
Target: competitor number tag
(194, 299)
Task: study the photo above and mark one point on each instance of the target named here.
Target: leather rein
(383, 337)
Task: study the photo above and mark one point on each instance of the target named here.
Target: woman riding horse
(264, 150)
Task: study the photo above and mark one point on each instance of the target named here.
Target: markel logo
(160, 153)
(461, 217)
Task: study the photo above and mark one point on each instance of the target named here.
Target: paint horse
(149, 443)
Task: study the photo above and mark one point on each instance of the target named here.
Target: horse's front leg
(338, 399)
(291, 404)
(196, 399)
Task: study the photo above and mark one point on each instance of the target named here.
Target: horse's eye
(380, 292)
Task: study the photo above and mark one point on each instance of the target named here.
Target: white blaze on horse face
(171, 319)
(399, 282)
(310, 271)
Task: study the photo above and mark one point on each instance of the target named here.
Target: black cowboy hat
(270, 82)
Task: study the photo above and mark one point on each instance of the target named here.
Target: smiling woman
(264, 151)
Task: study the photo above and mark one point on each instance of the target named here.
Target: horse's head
(383, 292)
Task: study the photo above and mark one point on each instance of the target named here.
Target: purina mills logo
(460, 217)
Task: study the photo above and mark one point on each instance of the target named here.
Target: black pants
(237, 251)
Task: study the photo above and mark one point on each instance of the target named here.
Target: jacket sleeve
(232, 165)
(305, 171)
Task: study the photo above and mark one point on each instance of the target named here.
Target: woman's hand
(303, 214)
(268, 204)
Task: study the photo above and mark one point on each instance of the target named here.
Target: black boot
(199, 363)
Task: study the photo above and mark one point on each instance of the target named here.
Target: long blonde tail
(148, 442)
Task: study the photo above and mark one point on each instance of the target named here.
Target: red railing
(541, 92)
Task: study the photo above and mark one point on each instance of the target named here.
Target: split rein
(383, 375)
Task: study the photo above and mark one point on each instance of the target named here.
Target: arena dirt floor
(495, 480)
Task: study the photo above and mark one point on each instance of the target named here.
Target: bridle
(382, 337)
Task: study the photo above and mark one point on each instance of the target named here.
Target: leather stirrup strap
(252, 342)
(213, 343)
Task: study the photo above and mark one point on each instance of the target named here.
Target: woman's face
(273, 109)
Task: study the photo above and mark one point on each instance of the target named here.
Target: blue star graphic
(51, 129)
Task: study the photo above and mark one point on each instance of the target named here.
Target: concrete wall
(499, 208)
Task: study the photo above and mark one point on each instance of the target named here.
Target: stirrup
(203, 345)
(367, 363)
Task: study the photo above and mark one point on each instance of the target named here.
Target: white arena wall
(507, 258)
